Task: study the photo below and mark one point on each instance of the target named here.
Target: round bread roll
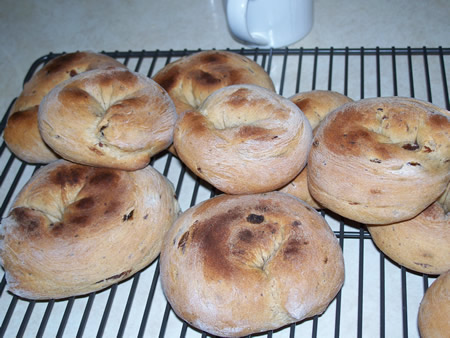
(21, 132)
(111, 118)
(244, 139)
(76, 229)
(316, 105)
(421, 244)
(433, 320)
(368, 156)
(239, 264)
(192, 78)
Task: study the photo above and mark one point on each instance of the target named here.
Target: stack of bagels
(255, 258)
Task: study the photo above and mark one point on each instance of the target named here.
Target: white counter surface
(31, 29)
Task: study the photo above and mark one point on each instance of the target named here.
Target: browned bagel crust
(421, 244)
(111, 118)
(192, 78)
(369, 156)
(244, 139)
(239, 264)
(316, 105)
(21, 132)
(76, 229)
(435, 308)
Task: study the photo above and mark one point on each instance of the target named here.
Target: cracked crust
(368, 156)
(109, 118)
(235, 265)
(68, 231)
(21, 132)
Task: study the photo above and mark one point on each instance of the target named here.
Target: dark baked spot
(353, 203)
(95, 150)
(255, 219)
(375, 160)
(296, 223)
(85, 203)
(128, 216)
(199, 169)
(168, 79)
(438, 120)
(204, 78)
(73, 72)
(292, 248)
(119, 78)
(60, 63)
(411, 147)
(251, 131)
(68, 175)
(112, 207)
(104, 178)
(315, 143)
(238, 98)
(325, 261)
(414, 164)
(245, 236)
(375, 191)
(210, 234)
(183, 240)
(146, 216)
(28, 221)
(79, 220)
(212, 58)
(304, 104)
(73, 94)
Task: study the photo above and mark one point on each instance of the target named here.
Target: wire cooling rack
(379, 298)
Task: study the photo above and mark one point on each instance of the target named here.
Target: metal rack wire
(379, 298)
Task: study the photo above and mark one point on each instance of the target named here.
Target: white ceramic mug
(269, 23)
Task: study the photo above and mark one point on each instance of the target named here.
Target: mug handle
(237, 20)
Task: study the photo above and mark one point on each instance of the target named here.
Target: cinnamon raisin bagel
(192, 78)
(381, 160)
(240, 264)
(111, 118)
(435, 308)
(316, 105)
(76, 229)
(422, 243)
(244, 139)
(21, 132)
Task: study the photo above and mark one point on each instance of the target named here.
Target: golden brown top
(191, 79)
(396, 130)
(317, 104)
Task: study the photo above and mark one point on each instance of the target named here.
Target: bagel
(316, 105)
(240, 264)
(368, 157)
(422, 243)
(76, 229)
(111, 118)
(192, 78)
(435, 308)
(244, 139)
(21, 133)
